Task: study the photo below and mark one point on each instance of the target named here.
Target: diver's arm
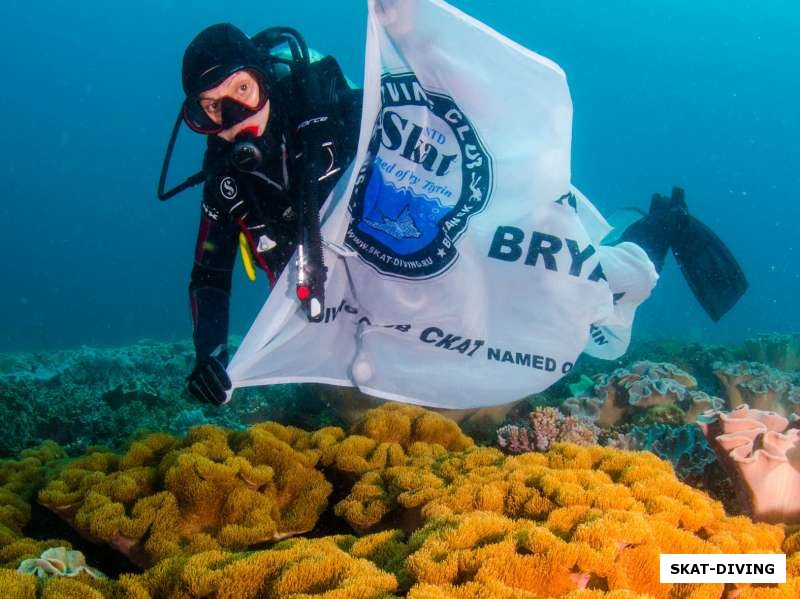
(209, 295)
(210, 286)
(210, 302)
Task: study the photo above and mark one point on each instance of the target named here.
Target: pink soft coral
(762, 457)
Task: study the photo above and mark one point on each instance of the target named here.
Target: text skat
(439, 338)
(396, 133)
(507, 245)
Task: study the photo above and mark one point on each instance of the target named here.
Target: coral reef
(525, 486)
(213, 489)
(295, 568)
(685, 446)
(16, 585)
(546, 426)
(574, 549)
(572, 522)
(550, 523)
(405, 425)
(386, 435)
(20, 479)
(58, 561)
(763, 458)
(759, 386)
(636, 392)
(23, 558)
(780, 351)
(220, 489)
(109, 394)
(207, 511)
(700, 402)
(649, 383)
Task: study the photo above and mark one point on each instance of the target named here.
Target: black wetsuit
(270, 196)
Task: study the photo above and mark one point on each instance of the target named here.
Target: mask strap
(195, 179)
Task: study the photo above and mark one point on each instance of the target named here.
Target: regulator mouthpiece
(245, 154)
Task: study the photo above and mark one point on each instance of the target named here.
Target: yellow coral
(573, 522)
(294, 569)
(213, 489)
(592, 515)
(20, 479)
(792, 542)
(388, 435)
(789, 590)
(357, 455)
(489, 555)
(487, 548)
(17, 586)
(619, 594)
(24, 476)
(83, 587)
(405, 425)
(470, 590)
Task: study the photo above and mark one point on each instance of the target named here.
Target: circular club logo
(426, 173)
(227, 187)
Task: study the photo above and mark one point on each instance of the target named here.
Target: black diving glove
(209, 381)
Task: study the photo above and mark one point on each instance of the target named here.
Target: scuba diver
(281, 129)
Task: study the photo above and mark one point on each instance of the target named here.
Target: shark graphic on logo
(426, 173)
(402, 227)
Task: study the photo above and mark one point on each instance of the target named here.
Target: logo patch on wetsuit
(425, 175)
(228, 189)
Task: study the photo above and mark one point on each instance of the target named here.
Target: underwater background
(702, 95)
(114, 483)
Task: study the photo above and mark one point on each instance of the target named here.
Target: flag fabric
(463, 268)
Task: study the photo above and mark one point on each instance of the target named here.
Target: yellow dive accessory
(247, 257)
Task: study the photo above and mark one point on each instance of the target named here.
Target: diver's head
(227, 90)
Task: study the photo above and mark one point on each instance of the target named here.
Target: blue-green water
(698, 94)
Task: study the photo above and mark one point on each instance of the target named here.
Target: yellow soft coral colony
(213, 489)
(614, 513)
(386, 436)
(574, 522)
(791, 589)
(406, 425)
(293, 569)
(20, 479)
(77, 588)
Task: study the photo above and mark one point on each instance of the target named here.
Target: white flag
(473, 271)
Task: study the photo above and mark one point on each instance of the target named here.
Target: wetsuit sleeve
(210, 286)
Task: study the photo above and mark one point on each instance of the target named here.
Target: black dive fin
(713, 274)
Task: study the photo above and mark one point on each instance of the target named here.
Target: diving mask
(245, 93)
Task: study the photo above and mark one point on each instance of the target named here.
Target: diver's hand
(316, 137)
(209, 382)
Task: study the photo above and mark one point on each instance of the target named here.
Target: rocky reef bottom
(695, 449)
